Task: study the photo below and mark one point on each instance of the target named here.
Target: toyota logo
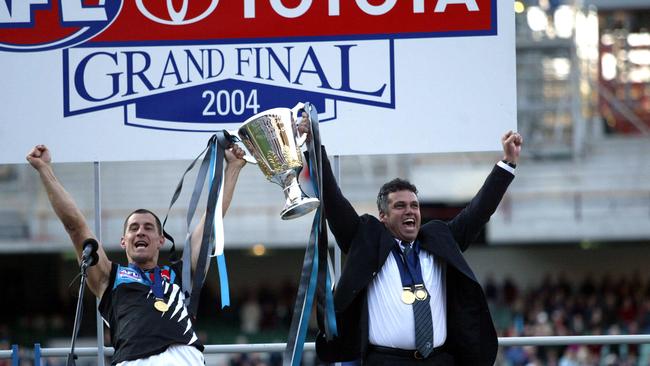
(176, 17)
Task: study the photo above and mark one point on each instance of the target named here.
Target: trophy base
(300, 208)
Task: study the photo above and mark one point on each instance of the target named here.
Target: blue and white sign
(117, 81)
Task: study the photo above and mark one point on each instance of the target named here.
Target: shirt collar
(402, 244)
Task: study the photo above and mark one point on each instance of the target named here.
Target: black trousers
(376, 357)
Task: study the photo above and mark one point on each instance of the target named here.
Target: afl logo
(166, 12)
(40, 25)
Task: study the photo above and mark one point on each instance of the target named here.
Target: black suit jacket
(471, 337)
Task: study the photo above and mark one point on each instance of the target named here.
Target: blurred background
(567, 253)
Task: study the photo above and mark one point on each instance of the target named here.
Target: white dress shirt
(390, 320)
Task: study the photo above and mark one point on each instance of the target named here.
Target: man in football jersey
(142, 302)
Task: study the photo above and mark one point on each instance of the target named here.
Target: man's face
(403, 215)
(142, 241)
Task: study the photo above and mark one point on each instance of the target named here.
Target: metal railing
(13, 354)
(279, 347)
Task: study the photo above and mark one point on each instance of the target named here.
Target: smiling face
(142, 240)
(402, 216)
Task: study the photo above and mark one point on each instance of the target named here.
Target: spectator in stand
(589, 307)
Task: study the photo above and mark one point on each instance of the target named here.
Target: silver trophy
(272, 138)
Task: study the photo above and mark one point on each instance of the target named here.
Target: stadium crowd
(596, 305)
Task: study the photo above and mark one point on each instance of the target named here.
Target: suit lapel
(435, 240)
(386, 243)
(441, 244)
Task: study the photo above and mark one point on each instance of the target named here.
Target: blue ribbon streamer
(312, 279)
(223, 280)
(329, 299)
(192, 284)
(309, 298)
(221, 258)
(330, 315)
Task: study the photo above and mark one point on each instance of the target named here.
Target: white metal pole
(98, 232)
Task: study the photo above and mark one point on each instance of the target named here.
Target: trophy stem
(297, 203)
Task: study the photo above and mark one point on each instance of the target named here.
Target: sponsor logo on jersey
(126, 274)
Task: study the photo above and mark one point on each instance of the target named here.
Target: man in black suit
(393, 264)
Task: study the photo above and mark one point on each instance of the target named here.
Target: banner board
(113, 80)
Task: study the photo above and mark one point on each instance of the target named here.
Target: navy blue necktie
(421, 308)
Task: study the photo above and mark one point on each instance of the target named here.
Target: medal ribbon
(156, 284)
(409, 265)
(411, 274)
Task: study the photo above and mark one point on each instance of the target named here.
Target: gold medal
(160, 305)
(421, 292)
(408, 297)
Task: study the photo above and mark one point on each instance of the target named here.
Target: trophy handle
(236, 140)
(300, 140)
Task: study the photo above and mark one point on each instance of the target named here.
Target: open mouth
(141, 244)
(409, 223)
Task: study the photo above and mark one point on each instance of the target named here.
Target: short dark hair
(144, 211)
(395, 185)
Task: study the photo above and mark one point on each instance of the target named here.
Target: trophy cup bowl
(272, 138)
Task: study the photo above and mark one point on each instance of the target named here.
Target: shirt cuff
(506, 167)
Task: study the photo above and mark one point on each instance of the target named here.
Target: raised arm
(234, 163)
(343, 220)
(71, 217)
(470, 221)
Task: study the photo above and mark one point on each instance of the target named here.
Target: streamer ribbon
(315, 278)
(212, 239)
